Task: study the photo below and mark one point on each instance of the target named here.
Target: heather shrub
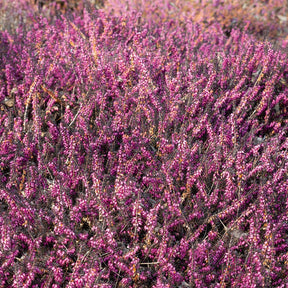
(24, 13)
(141, 152)
(13, 14)
(265, 20)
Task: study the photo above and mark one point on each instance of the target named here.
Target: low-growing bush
(141, 152)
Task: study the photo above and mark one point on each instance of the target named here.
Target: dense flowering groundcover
(142, 152)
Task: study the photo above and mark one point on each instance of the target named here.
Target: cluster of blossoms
(141, 152)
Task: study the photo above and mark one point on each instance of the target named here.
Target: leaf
(9, 102)
(282, 18)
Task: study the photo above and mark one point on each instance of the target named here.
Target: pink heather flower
(129, 137)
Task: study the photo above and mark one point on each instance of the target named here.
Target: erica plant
(141, 152)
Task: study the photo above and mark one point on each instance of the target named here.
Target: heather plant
(141, 152)
(15, 13)
(266, 20)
